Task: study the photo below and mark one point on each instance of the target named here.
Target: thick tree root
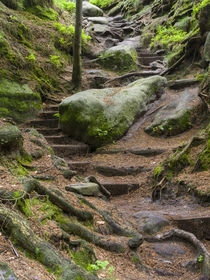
(63, 204)
(84, 233)
(178, 233)
(136, 238)
(20, 231)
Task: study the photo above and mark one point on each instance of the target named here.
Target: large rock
(87, 189)
(150, 221)
(177, 116)
(99, 29)
(204, 19)
(10, 137)
(121, 58)
(99, 20)
(206, 52)
(18, 101)
(90, 10)
(99, 116)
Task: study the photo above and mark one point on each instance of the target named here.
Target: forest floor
(161, 261)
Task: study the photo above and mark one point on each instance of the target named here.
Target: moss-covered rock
(206, 53)
(177, 116)
(121, 58)
(10, 137)
(90, 10)
(100, 116)
(18, 101)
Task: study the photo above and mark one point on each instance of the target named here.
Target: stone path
(126, 167)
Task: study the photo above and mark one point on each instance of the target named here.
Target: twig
(13, 248)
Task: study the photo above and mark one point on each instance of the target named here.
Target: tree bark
(77, 64)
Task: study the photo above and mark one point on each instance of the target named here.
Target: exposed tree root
(132, 74)
(84, 233)
(63, 204)
(178, 233)
(136, 238)
(20, 231)
(104, 191)
(173, 66)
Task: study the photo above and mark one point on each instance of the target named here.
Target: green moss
(81, 257)
(158, 171)
(121, 60)
(44, 13)
(18, 100)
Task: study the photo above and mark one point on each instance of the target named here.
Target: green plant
(55, 60)
(57, 115)
(31, 57)
(102, 3)
(102, 265)
(168, 36)
(200, 259)
(64, 5)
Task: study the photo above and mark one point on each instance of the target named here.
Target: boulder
(150, 221)
(90, 10)
(99, 20)
(169, 250)
(10, 137)
(18, 101)
(100, 116)
(204, 19)
(206, 52)
(121, 58)
(99, 29)
(87, 189)
(178, 115)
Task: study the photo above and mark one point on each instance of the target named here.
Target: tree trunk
(77, 67)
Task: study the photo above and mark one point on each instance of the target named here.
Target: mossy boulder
(18, 101)
(121, 58)
(100, 116)
(90, 10)
(204, 19)
(206, 52)
(177, 116)
(10, 137)
(23, 4)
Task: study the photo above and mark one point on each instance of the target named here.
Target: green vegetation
(102, 3)
(102, 266)
(65, 5)
(168, 37)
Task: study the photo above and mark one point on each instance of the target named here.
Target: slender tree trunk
(77, 66)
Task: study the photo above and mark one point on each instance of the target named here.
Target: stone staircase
(153, 63)
(63, 146)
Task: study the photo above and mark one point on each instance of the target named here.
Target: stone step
(149, 59)
(69, 150)
(49, 131)
(53, 107)
(200, 226)
(120, 188)
(81, 166)
(48, 115)
(59, 139)
(49, 123)
(110, 171)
